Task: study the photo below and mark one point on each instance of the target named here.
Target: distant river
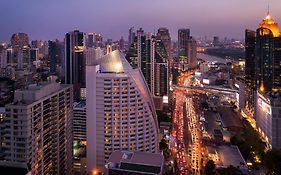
(210, 58)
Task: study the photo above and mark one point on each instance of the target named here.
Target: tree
(231, 170)
(210, 168)
(163, 145)
(272, 162)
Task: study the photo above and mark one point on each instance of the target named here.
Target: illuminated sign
(264, 105)
(197, 74)
(165, 99)
(206, 81)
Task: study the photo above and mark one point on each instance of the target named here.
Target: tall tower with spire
(263, 78)
(268, 56)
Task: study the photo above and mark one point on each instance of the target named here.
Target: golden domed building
(270, 24)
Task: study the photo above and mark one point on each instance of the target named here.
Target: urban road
(187, 137)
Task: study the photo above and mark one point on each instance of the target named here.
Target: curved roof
(112, 63)
(115, 62)
(270, 24)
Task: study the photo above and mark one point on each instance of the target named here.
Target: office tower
(38, 128)
(135, 163)
(9, 57)
(120, 111)
(43, 47)
(149, 54)
(263, 72)
(121, 44)
(79, 122)
(79, 137)
(132, 51)
(164, 35)
(23, 58)
(90, 40)
(250, 44)
(145, 52)
(75, 62)
(19, 40)
(98, 41)
(55, 52)
(183, 37)
(161, 69)
(192, 53)
(131, 38)
(187, 48)
(268, 56)
(34, 54)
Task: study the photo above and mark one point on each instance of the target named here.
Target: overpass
(209, 88)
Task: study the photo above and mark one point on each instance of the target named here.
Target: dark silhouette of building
(75, 63)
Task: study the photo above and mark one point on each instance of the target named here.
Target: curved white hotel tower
(120, 111)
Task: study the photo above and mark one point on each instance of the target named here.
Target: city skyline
(30, 17)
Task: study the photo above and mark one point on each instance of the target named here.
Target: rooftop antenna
(268, 9)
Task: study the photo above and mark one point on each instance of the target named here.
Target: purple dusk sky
(50, 19)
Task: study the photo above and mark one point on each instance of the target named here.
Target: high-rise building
(149, 53)
(79, 138)
(268, 56)
(98, 40)
(263, 80)
(183, 37)
(146, 57)
(187, 49)
(164, 35)
(160, 69)
(90, 40)
(55, 52)
(38, 128)
(120, 111)
(79, 121)
(75, 63)
(250, 46)
(131, 38)
(19, 40)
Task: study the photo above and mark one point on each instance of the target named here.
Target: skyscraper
(149, 53)
(268, 56)
(164, 35)
(263, 79)
(250, 53)
(120, 111)
(160, 69)
(38, 128)
(55, 51)
(187, 49)
(90, 40)
(75, 62)
(183, 37)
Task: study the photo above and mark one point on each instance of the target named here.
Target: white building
(38, 128)
(120, 111)
(268, 117)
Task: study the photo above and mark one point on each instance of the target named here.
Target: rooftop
(35, 92)
(136, 161)
(230, 155)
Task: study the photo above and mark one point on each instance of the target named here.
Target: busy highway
(186, 132)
